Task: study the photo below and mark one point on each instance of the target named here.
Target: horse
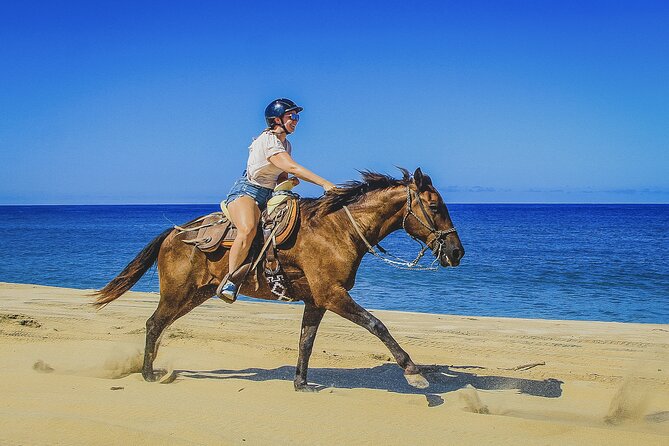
(320, 261)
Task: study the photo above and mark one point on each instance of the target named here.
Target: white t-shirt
(259, 170)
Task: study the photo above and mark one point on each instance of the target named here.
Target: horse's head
(426, 218)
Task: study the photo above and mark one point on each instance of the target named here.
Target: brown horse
(321, 262)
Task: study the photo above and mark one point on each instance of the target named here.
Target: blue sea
(579, 262)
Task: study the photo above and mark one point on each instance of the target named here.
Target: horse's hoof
(168, 377)
(308, 387)
(154, 375)
(417, 380)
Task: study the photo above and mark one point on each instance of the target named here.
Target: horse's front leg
(310, 321)
(344, 305)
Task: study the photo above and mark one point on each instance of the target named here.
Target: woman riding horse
(320, 260)
(270, 161)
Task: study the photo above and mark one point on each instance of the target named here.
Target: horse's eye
(434, 207)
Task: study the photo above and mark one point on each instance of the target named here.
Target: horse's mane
(351, 192)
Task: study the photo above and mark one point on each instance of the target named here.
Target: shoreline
(253, 301)
(69, 375)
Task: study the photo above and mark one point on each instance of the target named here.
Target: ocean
(571, 261)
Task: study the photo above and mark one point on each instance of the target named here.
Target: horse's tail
(132, 272)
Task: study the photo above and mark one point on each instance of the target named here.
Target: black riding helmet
(279, 107)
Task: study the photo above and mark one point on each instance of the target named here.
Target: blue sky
(508, 101)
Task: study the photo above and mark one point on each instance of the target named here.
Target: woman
(269, 163)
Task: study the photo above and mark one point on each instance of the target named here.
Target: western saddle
(278, 222)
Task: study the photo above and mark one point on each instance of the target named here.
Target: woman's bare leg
(245, 215)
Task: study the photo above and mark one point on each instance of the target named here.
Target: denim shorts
(244, 187)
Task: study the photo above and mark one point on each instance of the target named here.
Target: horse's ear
(418, 177)
(423, 182)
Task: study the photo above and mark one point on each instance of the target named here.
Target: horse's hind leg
(342, 304)
(310, 321)
(155, 325)
(168, 311)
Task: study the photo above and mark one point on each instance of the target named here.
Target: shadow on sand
(389, 377)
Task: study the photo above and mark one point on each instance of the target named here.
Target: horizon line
(448, 204)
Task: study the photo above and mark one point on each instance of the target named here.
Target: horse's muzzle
(451, 257)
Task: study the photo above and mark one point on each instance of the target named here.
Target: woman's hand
(295, 181)
(328, 186)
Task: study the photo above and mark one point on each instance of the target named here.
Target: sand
(69, 375)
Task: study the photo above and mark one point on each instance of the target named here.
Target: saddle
(216, 230)
(277, 223)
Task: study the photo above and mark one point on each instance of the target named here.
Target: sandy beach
(69, 375)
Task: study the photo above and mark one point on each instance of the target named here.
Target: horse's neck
(380, 213)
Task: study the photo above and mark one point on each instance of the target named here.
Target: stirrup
(237, 282)
(225, 297)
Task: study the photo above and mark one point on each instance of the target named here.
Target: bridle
(438, 236)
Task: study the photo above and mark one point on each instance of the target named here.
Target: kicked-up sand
(70, 375)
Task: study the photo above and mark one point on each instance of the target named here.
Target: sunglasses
(294, 117)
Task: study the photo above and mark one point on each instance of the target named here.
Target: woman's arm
(286, 163)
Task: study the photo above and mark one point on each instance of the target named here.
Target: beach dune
(70, 375)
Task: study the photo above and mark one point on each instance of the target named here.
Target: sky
(498, 101)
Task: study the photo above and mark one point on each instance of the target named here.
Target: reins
(438, 237)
